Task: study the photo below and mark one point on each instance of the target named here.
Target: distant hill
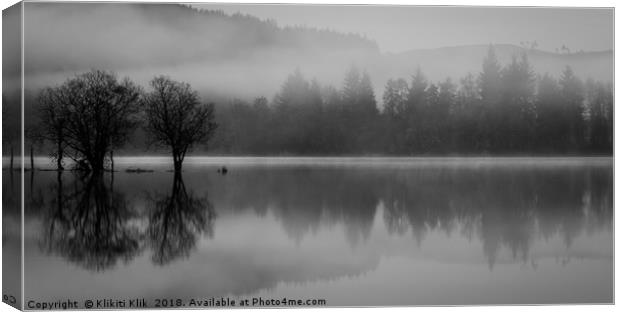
(238, 55)
(458, 61)
(62, 36)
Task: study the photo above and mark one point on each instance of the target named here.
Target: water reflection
(300, 225)
(176, 220)
(89, 223)
(502, 207)
(93, 224)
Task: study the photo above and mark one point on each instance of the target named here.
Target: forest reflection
(509, 207)
(175, 220)
(89, 223)
(92, 222)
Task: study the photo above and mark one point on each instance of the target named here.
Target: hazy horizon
(227, 57)
(550, 27)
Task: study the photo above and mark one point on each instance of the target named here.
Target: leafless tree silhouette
(175, 117)
(91, 114)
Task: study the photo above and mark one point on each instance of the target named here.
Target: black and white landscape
(359, 154)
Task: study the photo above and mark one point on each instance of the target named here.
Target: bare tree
(91, 114)
(175, 117)
(52, 107)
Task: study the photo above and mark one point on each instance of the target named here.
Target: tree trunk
(11, 165)
(97, 161)
(59, 156)
(112, 161)
(31, 158)
(31, 168)
(96, 165)
(178, 163)
(31, 181)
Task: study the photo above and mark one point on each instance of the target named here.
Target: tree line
(505, 109)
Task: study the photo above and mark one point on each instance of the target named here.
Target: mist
(241, 56)
(214, 53)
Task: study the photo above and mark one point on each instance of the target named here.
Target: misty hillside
(441, 63)
(209, 49)
(238, 55)
(135, 35)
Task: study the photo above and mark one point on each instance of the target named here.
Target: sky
(401, 28)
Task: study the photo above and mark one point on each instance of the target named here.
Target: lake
(352, 231)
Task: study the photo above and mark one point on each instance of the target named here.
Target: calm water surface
(354, 231)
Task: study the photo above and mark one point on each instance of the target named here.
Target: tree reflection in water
(91, 224)
(506, 209)
(175, 222)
